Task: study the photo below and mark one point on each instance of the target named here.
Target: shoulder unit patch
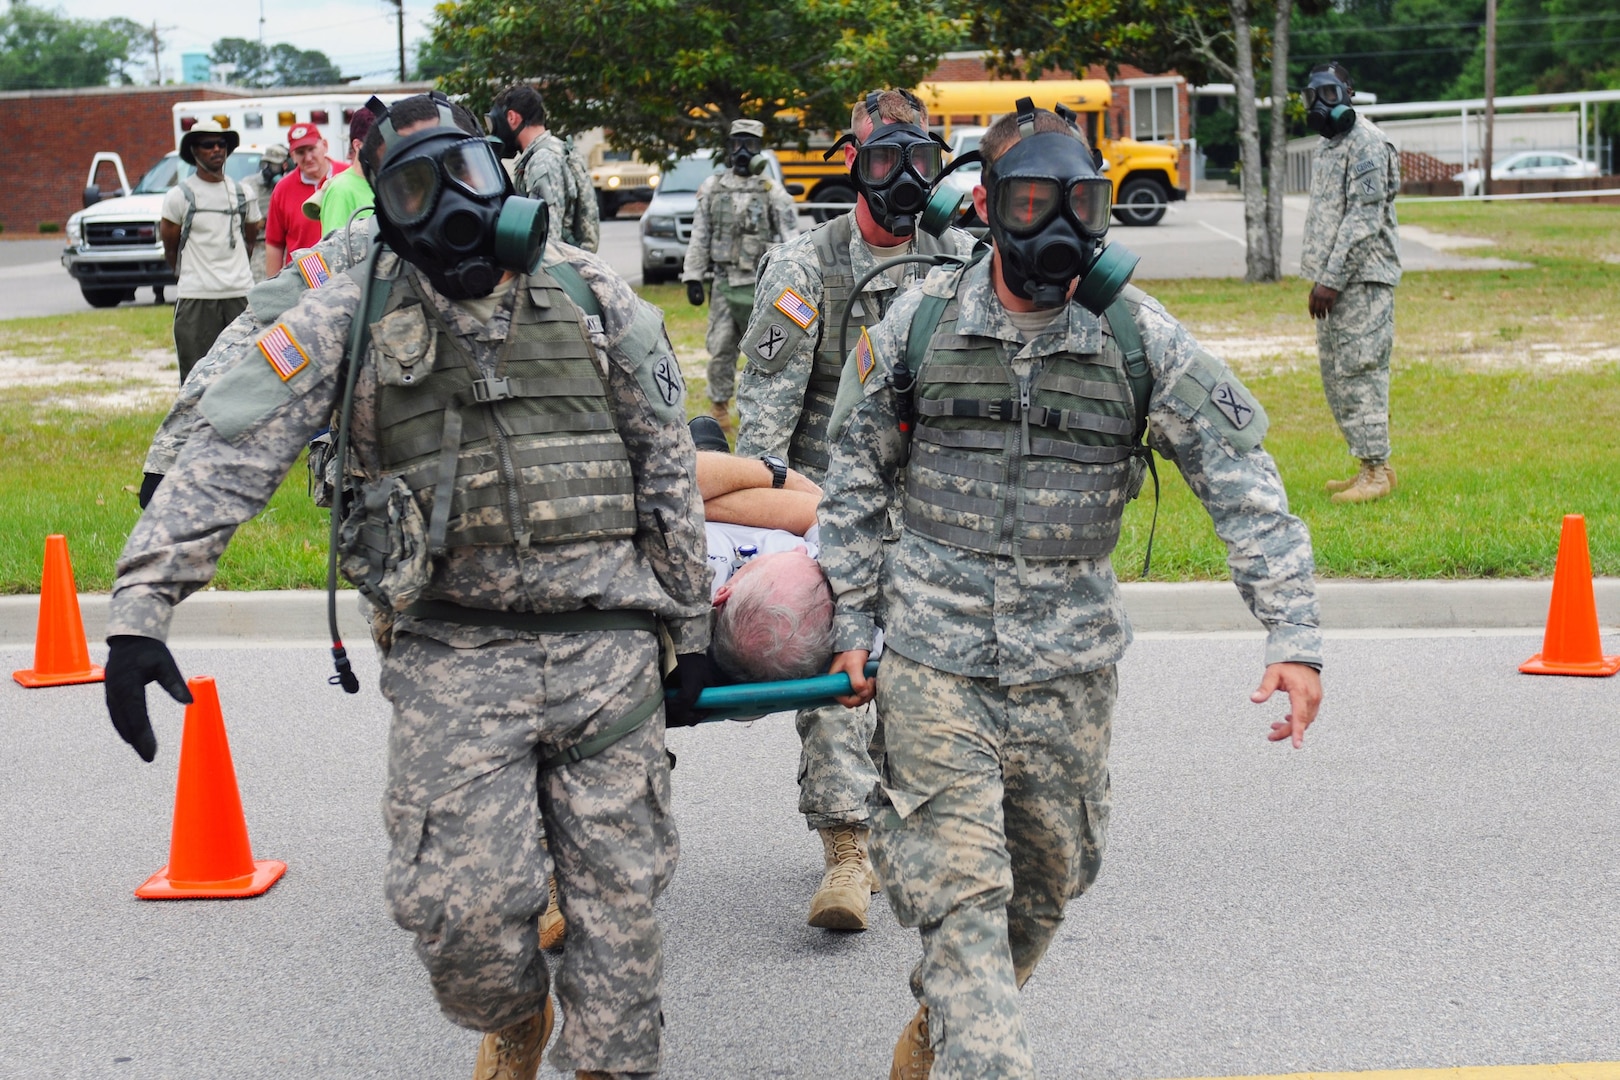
(286, 356)
(796, 308)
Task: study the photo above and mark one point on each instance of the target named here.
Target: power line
(1453, 49)
(1402, 28)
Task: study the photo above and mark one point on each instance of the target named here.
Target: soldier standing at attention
(785, 400)
(546, 167)
(739, 215)
(1001, 611)
(527, 517)
(1353, 255)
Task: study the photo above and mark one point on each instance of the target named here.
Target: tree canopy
(42, 48)
(274, 65)
(669, 76)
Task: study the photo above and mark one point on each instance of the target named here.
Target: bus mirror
(794, 189)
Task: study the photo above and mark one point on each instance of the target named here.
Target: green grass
(1494, 440)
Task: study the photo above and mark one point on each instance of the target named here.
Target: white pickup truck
(113, 246)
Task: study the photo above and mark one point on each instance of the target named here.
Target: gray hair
(775, 625)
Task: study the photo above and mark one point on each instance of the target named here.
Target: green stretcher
(744, 700)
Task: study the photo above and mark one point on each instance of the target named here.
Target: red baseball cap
(302, 135)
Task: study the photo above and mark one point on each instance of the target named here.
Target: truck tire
(1141, 202)
(103, 298)
(835, 192)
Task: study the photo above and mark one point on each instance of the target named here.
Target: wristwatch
(778, 467)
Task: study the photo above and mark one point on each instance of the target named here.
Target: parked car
(1530, 165)
(666, 224)
(965, 139)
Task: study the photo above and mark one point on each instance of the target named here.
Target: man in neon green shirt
(346, 193)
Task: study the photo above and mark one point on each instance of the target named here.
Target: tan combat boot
(721, 411)
(846, 886)
(513, 1053)
(552, 926)
(1372, 482)
(913, 1054)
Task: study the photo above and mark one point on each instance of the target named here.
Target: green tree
(42, 48)
(292, 66)
(250, 61)
(1548, 47)
(669, 76)
(1401, 50)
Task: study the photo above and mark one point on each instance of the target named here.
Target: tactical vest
(831, 242)
(740, 222)
(1036, 468)
(528, 453)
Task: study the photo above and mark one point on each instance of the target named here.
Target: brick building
(50, 135)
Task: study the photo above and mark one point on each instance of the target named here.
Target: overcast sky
(358, 35)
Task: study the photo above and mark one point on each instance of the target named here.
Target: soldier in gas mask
(1353, 257)
(741, 213)
(1001, 409)
(526, 520)
(785, 400)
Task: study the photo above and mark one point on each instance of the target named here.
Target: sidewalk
(1154, 607)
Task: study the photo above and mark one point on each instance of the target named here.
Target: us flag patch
(796, 308)
(284, 354)
(864, 361)
(314, 269)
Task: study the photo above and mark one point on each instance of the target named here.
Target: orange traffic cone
(209, 856)
(1572, 645)
(61, 655)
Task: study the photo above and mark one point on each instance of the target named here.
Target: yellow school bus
(1145, 175)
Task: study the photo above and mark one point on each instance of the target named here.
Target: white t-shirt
(724, 540)
(210, 269)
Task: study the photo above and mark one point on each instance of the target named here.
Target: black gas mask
(1049, 210)
(445, 205)
(746, 155)
(894, 169)
(1327, 105)
(500, 129)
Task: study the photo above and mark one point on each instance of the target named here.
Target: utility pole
(157, 56)
(400, 4)
(1490, 96)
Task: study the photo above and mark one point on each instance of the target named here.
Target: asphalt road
(1201, 237)
(1432, 881)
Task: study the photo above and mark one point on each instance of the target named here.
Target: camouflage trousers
(1353, 345)
(729, 309)
(987, 785)
(467, 867)
(840, 752)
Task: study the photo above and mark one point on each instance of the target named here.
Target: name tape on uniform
(796, 308)
(284, 354)
(314, 268)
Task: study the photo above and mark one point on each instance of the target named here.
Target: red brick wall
(50, 135)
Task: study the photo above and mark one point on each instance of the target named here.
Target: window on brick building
(1153, 114)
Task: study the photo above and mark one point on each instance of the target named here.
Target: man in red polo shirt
(286, 229)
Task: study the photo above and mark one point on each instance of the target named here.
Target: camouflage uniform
(784, 401)
(550, 169)
(478, 707)
(266, 303)
(997, 682)
(736, 220)
(1351, 245)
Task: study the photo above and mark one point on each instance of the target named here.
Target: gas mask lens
(750, 144)
(410, 189)
(1024, 205)
(1329, 94)
(878, 161)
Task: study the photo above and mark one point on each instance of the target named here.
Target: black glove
(149, 486)
(694, 673)
(132, 662)
(694, 293)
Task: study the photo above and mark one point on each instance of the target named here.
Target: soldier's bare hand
(1303, 685)
(1321, 301)
(853, 664)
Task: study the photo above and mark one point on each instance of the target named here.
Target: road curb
(1154, 607)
